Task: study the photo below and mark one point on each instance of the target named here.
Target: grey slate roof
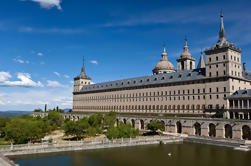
(247, 75)
(148, 80)
(245, 93)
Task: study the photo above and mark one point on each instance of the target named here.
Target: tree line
(26, 128)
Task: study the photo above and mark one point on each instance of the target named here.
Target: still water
(186, 154)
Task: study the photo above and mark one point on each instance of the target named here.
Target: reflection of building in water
(206, 89)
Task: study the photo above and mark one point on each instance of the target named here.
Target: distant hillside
(13, 113)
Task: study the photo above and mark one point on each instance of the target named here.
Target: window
(225, 89)
(217, 58)
(217, 73)
(210, 96)
(210, 74)
(217, 89)
(209, 66)
(217, 66)
(232, 87)
(209, 59)
(198, 97)
(217, 96)
(210, 90)
(193, 91)
(224, 57)
(204, 90)
(224, 72)
(198, 90)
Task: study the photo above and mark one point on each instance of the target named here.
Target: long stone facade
(201, 91)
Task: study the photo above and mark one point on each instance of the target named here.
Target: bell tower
(186, 61)
(81, 80)
(223, 58)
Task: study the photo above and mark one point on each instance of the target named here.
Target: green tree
(55, 118)
(45, 108)
(122, 131)
(95, 120)
(110, 119)
(22, 130)
(3, 122)
(155, 125)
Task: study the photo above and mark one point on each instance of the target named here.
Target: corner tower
(185, 61)
(81, 80)
(223, 58)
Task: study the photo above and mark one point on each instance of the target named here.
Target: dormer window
(162, 78)
(180, 76)
(171, 77)
(155, 79)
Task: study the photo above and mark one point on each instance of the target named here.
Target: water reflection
(182, 154)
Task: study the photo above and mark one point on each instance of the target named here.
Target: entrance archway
(133, 123)
(142, 125)
(246, 132)
(197, 128)
(124, 120)
(179, 127)
(212, 130)
(228, 131)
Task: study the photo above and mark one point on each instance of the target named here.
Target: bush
(155, 125)
(122, 131)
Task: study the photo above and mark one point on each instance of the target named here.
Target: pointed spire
(164, 54)
(186, 53)
(201, 63)
(222, 33)
(83, 66)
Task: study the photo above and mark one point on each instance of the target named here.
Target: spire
(164, 54)
(83, 66)
(201, 63)
(222, 33)
(186, 53)
(83, 75)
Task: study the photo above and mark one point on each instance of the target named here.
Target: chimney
(244, 67)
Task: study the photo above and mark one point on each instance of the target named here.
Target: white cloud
(42, 63)
(48, 3)
(66, 76)
(56, 73)
(54, 84)
(40, 54)
(94, 62)
(19, 60)
(51, 30)
(4, 76)
(24, 80)
(36, 98)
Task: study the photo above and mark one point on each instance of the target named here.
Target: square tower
(223, 59)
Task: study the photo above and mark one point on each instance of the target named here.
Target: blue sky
(42, 42)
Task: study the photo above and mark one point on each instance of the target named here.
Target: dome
(163, 66)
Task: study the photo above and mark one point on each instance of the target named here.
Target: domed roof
(164, 64)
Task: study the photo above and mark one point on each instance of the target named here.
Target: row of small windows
(148, 107)
(153, 99)
(162, 93)
(224, 57)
